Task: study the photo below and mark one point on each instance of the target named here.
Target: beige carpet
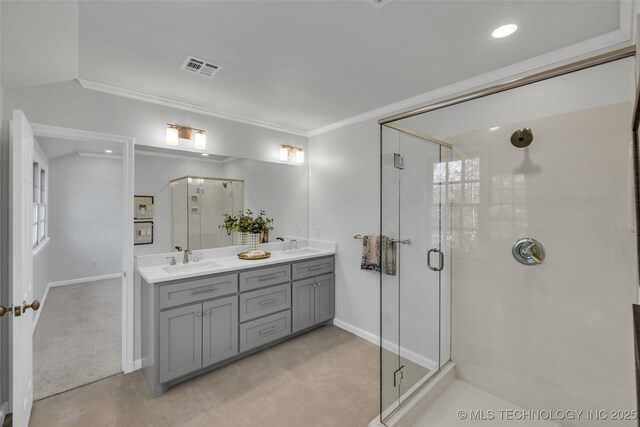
(78, 337)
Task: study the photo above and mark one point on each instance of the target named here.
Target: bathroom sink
(302, 251)
(193, 266)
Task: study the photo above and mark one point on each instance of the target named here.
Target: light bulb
(172, 135)
(300, 156)
(504, 31)
(201, 140)
(284, 154)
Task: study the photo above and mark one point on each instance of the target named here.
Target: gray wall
(85, 222)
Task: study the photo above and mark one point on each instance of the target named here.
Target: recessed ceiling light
(494, 128)
(108, 151)
(504, 31)
(204, 154)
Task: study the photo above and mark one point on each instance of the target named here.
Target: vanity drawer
(264, 301)
(198, 290)
(262, 331)
(264, 277)
(315, 267)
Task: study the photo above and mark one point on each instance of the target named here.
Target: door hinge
(398, 161)
(398, 376)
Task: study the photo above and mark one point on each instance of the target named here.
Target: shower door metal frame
(603, 58)
(426, 380)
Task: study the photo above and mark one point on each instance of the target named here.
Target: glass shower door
(414, 269)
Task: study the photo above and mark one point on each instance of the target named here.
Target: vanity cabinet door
(180, 341)
(303, 304)
(324, 298)
(219, 330)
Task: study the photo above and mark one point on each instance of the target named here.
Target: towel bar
(404, 242)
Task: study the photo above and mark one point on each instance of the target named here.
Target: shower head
(522, 138)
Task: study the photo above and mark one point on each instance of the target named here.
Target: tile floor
(462, 396)
(327, 377)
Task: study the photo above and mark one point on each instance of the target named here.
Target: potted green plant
(247, 227)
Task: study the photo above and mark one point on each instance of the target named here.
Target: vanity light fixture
(295, 153)
(504, 31)
(176, 132)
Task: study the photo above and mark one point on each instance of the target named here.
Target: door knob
(35, 305)
(5, 310)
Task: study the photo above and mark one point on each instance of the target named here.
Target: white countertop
(156, 268)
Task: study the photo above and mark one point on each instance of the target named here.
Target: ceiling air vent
(200, 67)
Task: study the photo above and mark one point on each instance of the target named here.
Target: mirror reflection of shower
(197, 208)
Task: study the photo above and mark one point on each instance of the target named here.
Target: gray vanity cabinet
(312, 301)
(197, 336)
(219, 330)
(194, 325)
(180, 341)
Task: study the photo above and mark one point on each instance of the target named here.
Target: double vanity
(202, 315)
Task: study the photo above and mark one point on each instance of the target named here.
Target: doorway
(32, 213)
(77, 265)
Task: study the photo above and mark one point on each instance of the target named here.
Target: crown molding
(595, 46)
(166, 102)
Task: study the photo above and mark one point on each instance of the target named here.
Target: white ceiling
(57, 147)
(302, 64)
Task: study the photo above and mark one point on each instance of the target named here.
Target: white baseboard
(131, 366)
(404, 352)
(64, 283)
(84, 279)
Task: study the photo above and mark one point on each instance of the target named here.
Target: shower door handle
(440, 266)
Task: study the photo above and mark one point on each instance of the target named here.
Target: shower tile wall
(559, 335)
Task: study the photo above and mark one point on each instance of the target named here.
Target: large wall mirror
(192, 193)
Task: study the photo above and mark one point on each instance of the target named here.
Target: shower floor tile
(453, 409)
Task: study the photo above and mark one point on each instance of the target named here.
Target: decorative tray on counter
(246, 255)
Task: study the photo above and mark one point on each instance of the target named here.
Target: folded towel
(370, 253)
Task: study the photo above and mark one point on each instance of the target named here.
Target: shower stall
(510, 219)
(198, 205)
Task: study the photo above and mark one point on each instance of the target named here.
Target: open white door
(21, 273)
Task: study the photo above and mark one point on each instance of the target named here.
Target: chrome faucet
(185, 260)
(179, 248)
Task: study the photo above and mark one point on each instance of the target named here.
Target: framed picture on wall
(143, 207)
(143, 233)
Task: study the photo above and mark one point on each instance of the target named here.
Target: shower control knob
(528, 251)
